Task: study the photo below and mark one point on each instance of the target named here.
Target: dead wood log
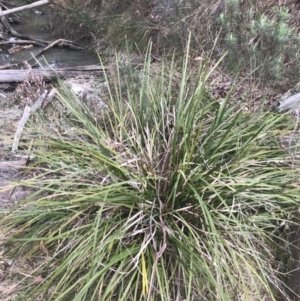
(15, 18)
(20, 8)
(9, 76)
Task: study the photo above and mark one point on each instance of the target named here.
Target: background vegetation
(256, 35)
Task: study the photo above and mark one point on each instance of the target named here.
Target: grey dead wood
(10, 76)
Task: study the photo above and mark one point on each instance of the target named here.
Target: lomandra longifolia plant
(166, 194)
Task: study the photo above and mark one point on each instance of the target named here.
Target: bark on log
(9, 76)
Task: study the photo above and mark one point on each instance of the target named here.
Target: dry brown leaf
(37, 279)
(43, 248)
(198, 58)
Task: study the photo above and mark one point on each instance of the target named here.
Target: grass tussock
(170, 195)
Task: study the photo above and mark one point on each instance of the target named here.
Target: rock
(289, 103)
(37, 11)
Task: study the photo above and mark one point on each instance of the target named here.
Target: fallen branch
(20, 8)
(26, 115)
(5, 5)
(18, 48)
(20, 128)
(59, 42)
(39, 102)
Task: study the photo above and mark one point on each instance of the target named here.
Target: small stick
(39, 102)
(49, 97)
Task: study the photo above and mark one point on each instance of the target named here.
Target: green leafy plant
(166, 195)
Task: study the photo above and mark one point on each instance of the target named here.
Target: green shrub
(260, 41)
(169, 195)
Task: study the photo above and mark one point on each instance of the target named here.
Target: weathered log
(9, 76)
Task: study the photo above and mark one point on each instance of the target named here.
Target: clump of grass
(172, 196)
